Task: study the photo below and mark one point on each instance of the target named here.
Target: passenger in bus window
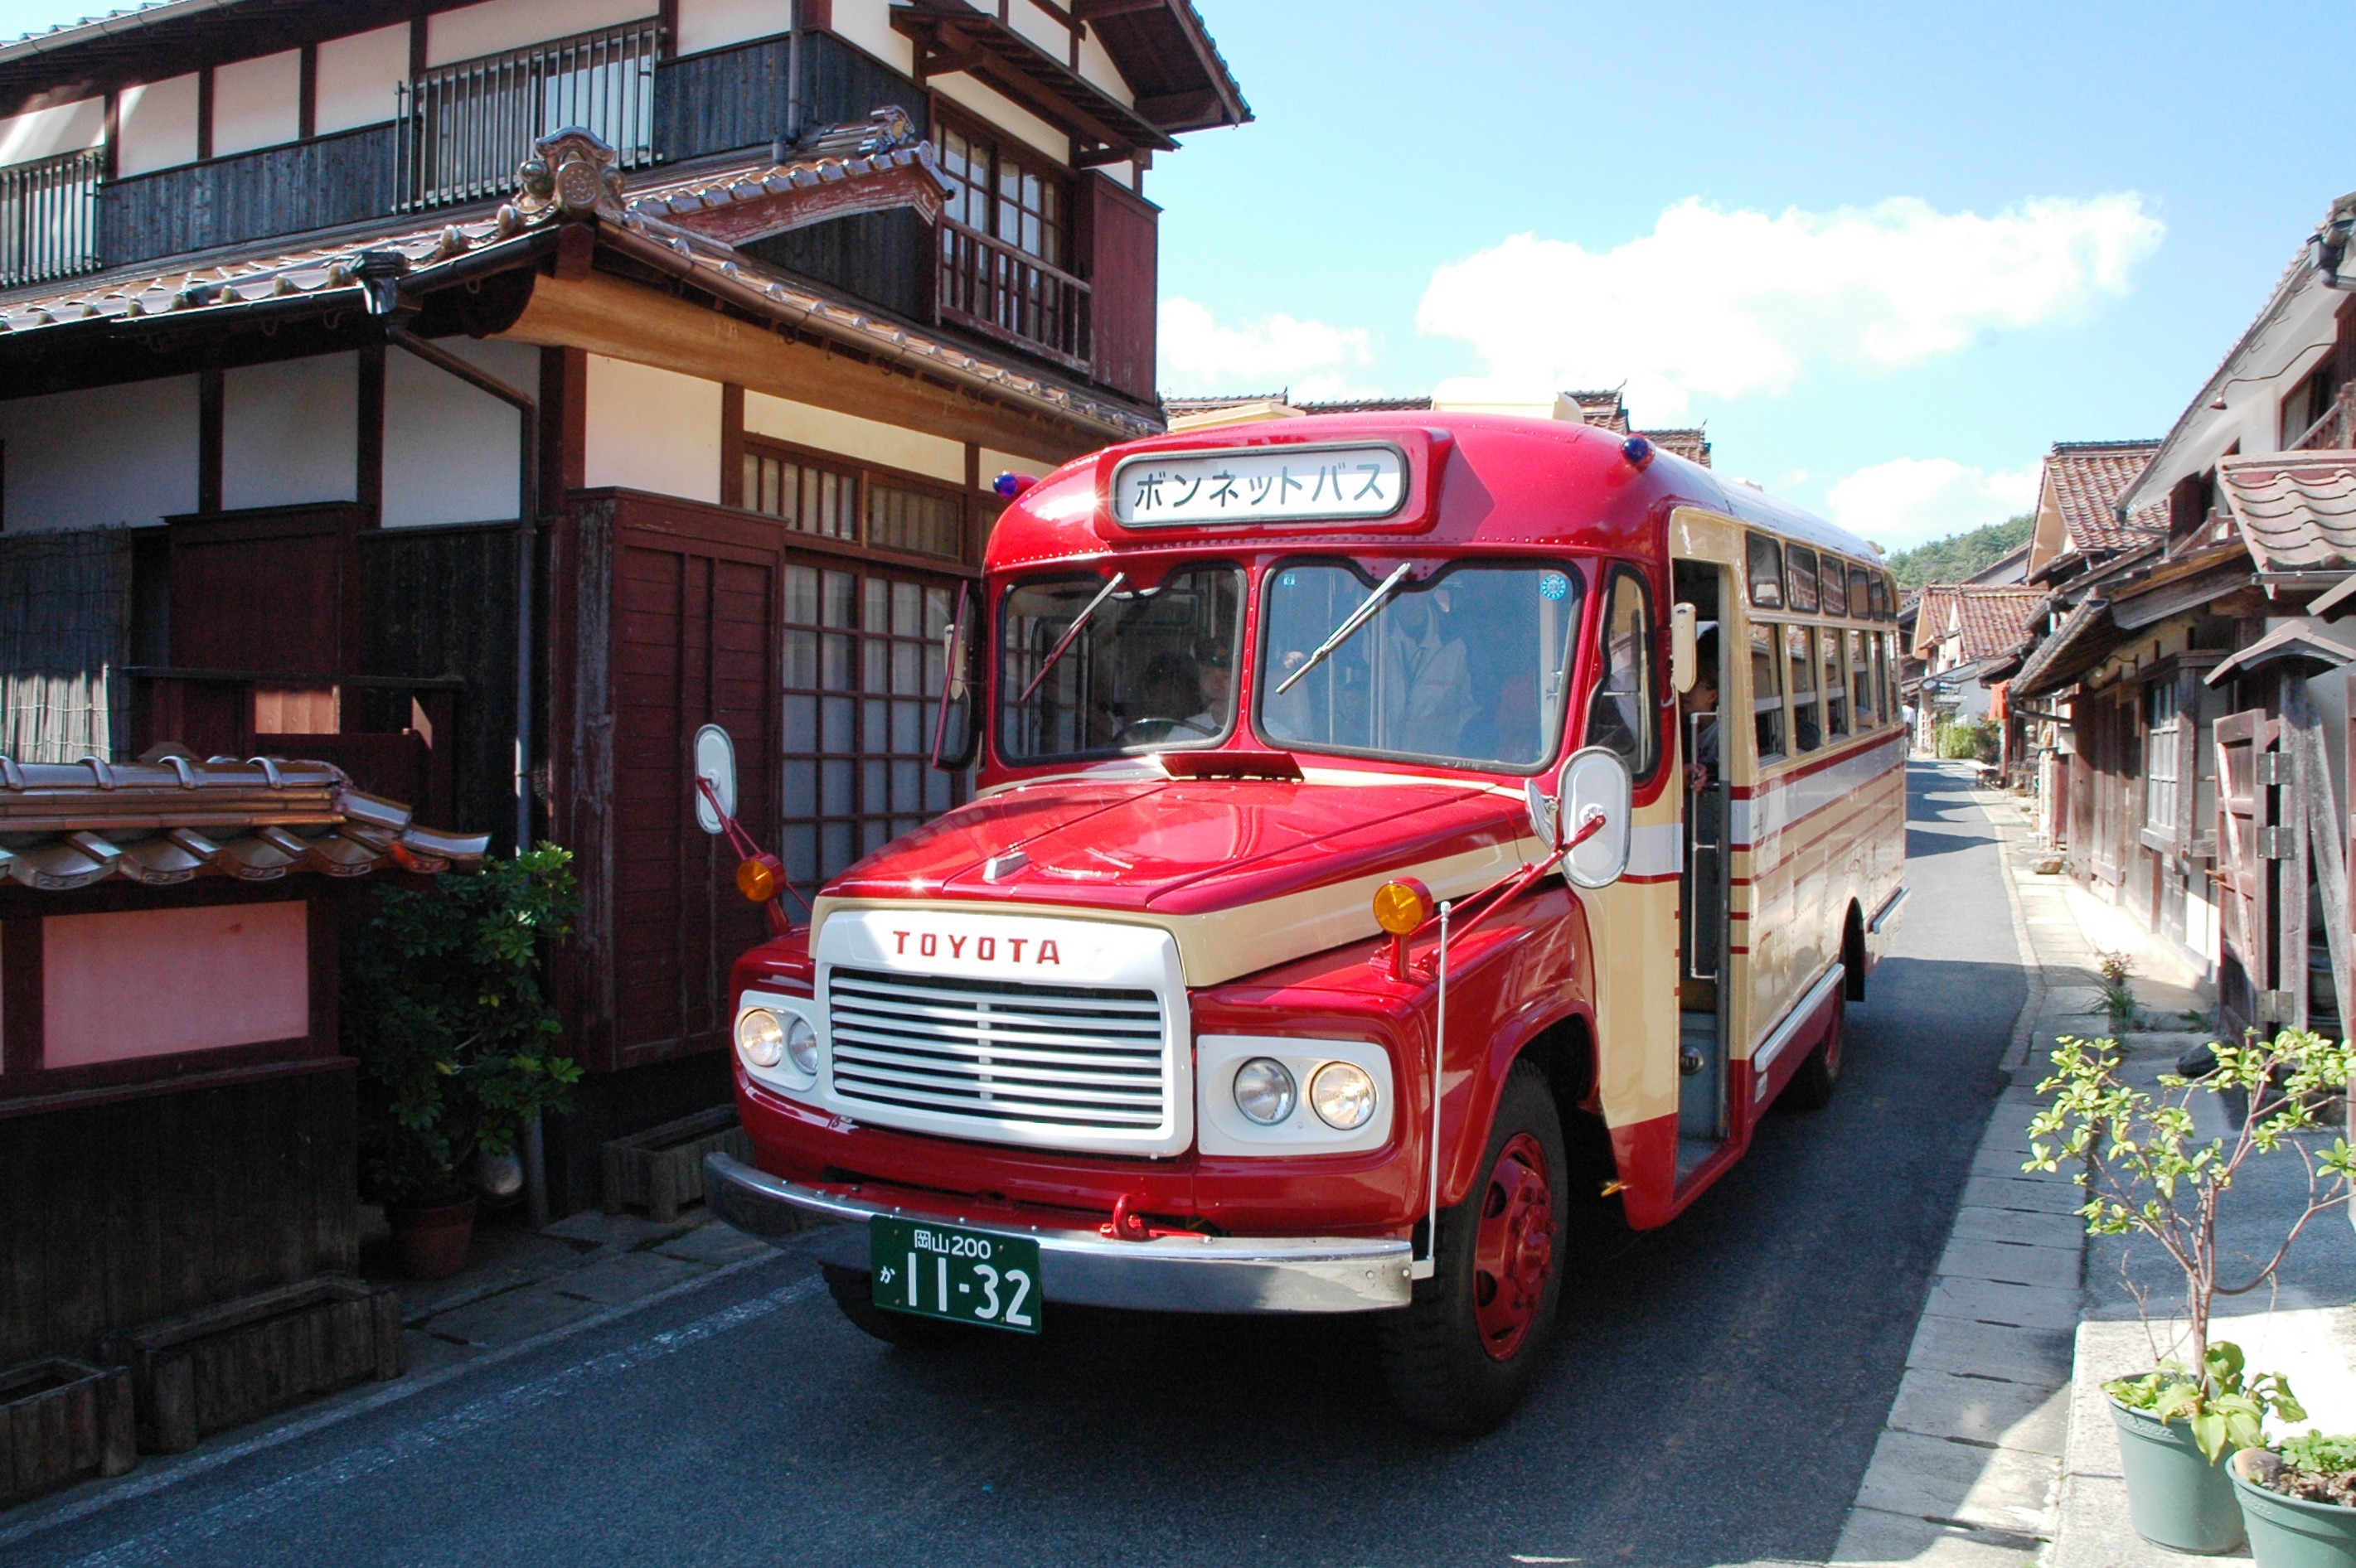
(1766, 693)
(1698, 711)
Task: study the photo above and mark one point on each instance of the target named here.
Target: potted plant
(2300, 1500)
(456, 1040)
(2147, 1172)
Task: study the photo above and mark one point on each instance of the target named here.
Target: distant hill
(1958, 556)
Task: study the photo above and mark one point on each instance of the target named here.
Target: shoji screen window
(863, 671)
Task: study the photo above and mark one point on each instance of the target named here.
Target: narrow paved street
(1717, 1392)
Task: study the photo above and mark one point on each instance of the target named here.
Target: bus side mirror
(1594, 805)
(956, 734)
(714, 791)
(1684, 659)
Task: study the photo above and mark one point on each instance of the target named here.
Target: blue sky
(1888, 253)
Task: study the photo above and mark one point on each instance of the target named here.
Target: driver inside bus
(1433, 685)
(1214, 678)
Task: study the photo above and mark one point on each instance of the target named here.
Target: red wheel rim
(1513, 1251)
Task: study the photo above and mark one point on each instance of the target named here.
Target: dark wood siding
(666, 620)
(732, 98)
(278, 190)
(884, 258)
(436, 602)
(116, 1214)
(269, 589)
(1123, 261)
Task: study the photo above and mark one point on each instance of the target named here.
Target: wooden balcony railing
(1000, 289)
(466, 125)
(2336, 430)
(48, 218)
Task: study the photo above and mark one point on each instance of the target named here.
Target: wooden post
(2303, 733)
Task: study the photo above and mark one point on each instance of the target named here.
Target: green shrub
(442, 1006)
(1969, 740)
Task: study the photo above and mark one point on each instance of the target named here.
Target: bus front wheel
(1459, 1356)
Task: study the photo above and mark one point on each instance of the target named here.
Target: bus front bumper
(1087, 1268)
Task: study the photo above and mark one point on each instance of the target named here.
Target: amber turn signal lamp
(1401, 906)
(759, 878)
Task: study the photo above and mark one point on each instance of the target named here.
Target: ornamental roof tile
(66, 825)
(2296, 510)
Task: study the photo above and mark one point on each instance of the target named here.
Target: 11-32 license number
(949, 1272)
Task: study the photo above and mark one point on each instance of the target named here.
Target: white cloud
(1911, 500)
(1730, 302)
(1314, 359)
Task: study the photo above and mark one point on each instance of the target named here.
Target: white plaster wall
(652, 430)
(356, 76)
(257, 103)
(290, 431)
(1005, 113)
(715, 23)
(46, 133)
(498, 25)
(995, 463)
(1098, 70)
(868, 24)
(101, 457)
(866, 441)
(450, 449)
(159, 126)
(1040, 28)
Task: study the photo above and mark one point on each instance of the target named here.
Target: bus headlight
(761, 1038)
(1343, 1095)
(1265, 1091)
(801, 1044)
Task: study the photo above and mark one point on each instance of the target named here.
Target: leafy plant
(2320, 1453)
(2146, 1171)
(456, 1039)
(1969, 740)
(2118, 993)
(2225, 1407)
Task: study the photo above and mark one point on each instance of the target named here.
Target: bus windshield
(1087, 672)
(1467, 669)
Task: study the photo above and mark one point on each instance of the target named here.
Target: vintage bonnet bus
(1381, 820)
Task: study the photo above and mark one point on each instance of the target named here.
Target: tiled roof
(1692, 444)
(571, 179)
(1997, 619)
(2296, 510)
(1931, 615)
(1602, 408)
(1364, 405)
(2076, 646)
(65, 826)
(2088, 479)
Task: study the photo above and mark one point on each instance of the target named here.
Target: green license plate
(948, 1271)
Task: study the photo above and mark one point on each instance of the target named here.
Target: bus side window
(1766, 693)
(1765, 559)
(1808, 732)
(1882, 644)
(1828, 651)
(1860, 670)
(1620, 714)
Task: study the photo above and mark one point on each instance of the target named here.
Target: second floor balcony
(464, 126)
(50, 218)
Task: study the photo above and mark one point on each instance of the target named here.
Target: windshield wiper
(1358, 617)
(1070, 631)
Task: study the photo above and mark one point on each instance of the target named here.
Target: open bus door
(1704, 890)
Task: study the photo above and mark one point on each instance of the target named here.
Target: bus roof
(1507, 482)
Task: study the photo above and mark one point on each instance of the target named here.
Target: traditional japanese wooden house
(2202, 684)
(483, 397)
(175, 1122)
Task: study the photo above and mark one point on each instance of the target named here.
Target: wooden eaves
(952, 36)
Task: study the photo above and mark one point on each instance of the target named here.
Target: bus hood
(1297, 861)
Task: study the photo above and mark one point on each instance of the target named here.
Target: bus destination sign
(1260, 485)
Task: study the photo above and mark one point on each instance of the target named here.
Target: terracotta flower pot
(432, 1238)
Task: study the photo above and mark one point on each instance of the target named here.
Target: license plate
(947, 1271)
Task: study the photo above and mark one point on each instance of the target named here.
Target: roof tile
(2088, 479)
(2296, 510)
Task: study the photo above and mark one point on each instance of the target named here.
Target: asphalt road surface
(1714, 1397)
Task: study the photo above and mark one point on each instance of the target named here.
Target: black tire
(1811, 1088)
(1444, 1374)
(854, 1296)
